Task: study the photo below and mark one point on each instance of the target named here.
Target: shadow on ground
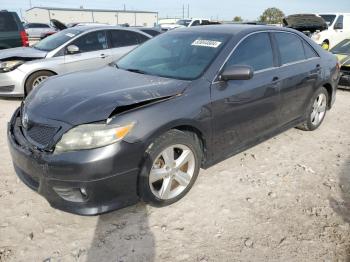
(123, 235)
(342, 207)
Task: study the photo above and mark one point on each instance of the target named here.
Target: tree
(272, 15)
(237, 19)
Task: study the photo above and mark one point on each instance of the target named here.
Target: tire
(311, 124)
(34, 79)
(155, 191)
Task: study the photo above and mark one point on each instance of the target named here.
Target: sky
(219, 9)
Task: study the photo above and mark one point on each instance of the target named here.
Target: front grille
(41, 134)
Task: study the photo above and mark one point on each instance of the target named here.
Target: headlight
(8, 66)
(92, 136)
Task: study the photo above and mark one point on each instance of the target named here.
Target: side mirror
(237, 72)
(338, 26)
(72, 49)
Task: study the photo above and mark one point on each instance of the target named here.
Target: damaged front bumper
(86, 182)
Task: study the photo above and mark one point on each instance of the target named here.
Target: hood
(22, 52)
(58, 25)
(344, 59)
(91, 96)
(305, 22)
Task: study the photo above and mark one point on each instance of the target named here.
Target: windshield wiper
(134, 70)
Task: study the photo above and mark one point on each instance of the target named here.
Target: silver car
(70, 50)
(37, 30)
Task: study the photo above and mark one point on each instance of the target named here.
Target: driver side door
(246, 110)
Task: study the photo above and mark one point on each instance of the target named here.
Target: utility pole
(30, 3)
(183, 11)
(124, 7)
(188, 11)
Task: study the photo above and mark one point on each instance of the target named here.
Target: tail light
(24, 37)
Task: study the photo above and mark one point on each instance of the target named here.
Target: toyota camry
(141, 128)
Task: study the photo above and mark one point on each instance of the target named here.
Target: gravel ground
(284, 200)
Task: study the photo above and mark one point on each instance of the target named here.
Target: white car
(38, 30)
(338, 30)
(186, 23)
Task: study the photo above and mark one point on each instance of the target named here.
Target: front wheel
(35, 79)
(316, 111)
(171, 167)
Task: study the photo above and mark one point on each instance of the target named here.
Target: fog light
(72, 194)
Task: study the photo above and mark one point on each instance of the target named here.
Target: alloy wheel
(39, 80)
(172, 171)
(319, 109)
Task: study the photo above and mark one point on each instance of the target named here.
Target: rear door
(94, 52)
(244, 110)
(123, 41)
(10, 28)
(299, 73)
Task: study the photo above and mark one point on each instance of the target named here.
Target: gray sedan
(70, 50)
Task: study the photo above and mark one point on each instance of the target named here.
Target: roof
(228, 28)
(90, 10)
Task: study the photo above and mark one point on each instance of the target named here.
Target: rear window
(35, 25)
(7, 22)
(150, 32)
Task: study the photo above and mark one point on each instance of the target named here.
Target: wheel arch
(329, 89)
(188, 126)
(34, 72)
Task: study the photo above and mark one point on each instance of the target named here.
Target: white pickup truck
(338, 30)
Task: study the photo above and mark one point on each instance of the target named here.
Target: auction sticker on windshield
(206, 43)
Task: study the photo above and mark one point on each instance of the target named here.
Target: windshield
(183, 22)
(52, 42)
(179, 55)
(329, 19)
(342, 48)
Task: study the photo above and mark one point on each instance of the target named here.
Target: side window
(309, 51)
(195, 23)
(92, 41)
(120, 38)
(205, 22)
(340, 23)
(290, 47)
(254, 51)
(141, 38)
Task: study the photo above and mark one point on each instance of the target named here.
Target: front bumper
(87, 182)
(344, 81)
(12, 83)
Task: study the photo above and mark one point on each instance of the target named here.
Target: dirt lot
(287, 199)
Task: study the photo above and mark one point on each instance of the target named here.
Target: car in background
(142, 128)
(342, 51)
(12, 33)
(39, 30)
(70, 50)
(153, 31)
(305, 23)
(338, 30)
(188, 23)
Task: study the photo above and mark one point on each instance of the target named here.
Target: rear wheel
(316, 111)
(171, 168)
(35, 79)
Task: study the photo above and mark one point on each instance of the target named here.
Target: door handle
(103, 55)
(275, 79)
